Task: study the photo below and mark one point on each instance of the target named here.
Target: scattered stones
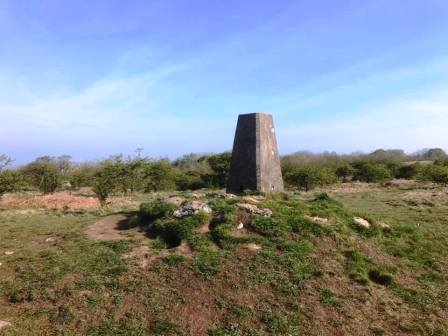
(9, 253)
(361, 222)
(317, 219)
(252, 209)
(4, 324)
(253, 199)
(192, 208)
(252, 246)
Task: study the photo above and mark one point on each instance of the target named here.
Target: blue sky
(100, 77)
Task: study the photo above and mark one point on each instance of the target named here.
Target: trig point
(255, 163)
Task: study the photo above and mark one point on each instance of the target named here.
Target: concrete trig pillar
(255, 162)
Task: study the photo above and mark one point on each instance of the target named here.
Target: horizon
(93, 79)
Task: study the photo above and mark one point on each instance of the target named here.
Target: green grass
(304, 270)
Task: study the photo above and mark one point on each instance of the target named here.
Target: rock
(4, 324)
(192, 208)
(1, 264)
(240, 226)
(317, 219)
(230, 196)
(252, 246)
(253, 199)
(9, 253)
(384, 225)
(252, 209)
(50, 239)
(362, 222)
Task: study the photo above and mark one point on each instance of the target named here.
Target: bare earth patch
(108, 228)
(4, 324)
(60, 201)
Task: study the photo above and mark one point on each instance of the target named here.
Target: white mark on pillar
(272, 130)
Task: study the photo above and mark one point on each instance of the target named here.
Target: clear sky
(99, 77)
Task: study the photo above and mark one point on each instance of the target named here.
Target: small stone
(193, 208)
(362, 222)
(9, 253)
(1, 264)
(50, 239)
(384, 225)
(255, 210)
(4, 324)
(240, 226)
(252, 246)
(317, 219)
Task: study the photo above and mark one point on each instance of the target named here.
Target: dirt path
(109, 228)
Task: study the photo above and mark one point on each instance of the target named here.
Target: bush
(43, 174)
(310, 177)
(409, 171)
(266, 226)
(159, 176)
(10, 181)
(345, 172)
(435, 173)
(153, 210)
(371, 172)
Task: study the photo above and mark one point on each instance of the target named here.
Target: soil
(109, 228)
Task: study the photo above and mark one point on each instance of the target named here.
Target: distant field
(74, 268)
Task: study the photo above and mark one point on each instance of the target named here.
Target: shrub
(10, 181)
(153, 210)
(310, 177)
(105, 182)
(345, 172)
(266, 226)
(159, 176)
(409, 171)
(371, 172)
(44, 173)
(435, 173)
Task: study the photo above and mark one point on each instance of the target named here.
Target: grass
(306, 279)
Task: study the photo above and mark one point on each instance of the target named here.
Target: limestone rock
(192, 208)
(9, 253)
(252, 209)
(362, 222)
(317, 219)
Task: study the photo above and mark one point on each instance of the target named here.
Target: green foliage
(175, 230)
(309, 177)
(435, 173)
(357, 266)
(10, 181)
(105, 182)
(266, 226)
(150, 211)
(369, 172)
(327, 297)
(345, 172)
(219, 164)
(46, 173)
(174, 259)
(409, 171)
(159, 175)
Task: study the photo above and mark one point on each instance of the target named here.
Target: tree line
(301, 170)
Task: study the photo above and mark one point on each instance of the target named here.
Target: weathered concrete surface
(255, 160)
